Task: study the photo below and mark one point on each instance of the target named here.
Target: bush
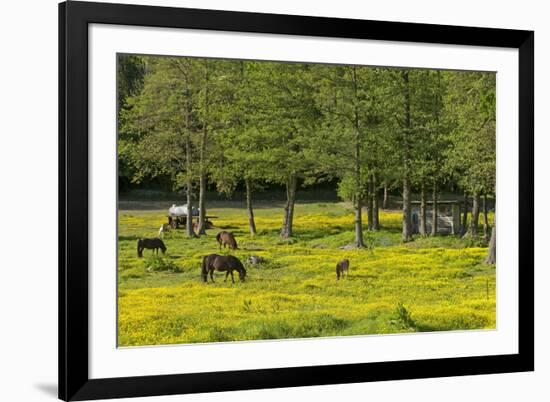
(401, 318)
(157, 263)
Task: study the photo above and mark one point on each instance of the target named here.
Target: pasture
(430, 284)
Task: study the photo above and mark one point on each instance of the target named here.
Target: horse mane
(237, 262)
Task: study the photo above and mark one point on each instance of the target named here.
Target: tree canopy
(195, 122)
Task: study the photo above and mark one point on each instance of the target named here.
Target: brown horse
(227, 239)
(152, 244)
(341, 267)
(227, 263)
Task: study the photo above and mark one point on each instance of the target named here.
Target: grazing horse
(227, 238)
(341, 267)
(227, 263)
(151, 244)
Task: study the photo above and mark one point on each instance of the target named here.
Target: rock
(348, 247)
(255, 260)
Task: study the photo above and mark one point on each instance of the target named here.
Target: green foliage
(402, 319)
(130, 73)
(228, 124)
(470, 113)
(155, 263)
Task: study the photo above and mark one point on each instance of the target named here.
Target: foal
(165, 227)
(341, 268)
(226, 238)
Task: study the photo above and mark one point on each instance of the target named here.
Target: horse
(227, 238)
(165, 227)
(341, 267)
(151, 244)
(227, 263)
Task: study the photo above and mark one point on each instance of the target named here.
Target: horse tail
(139, 247)
(162, 247)
(232, 242)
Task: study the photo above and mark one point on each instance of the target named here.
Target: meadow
(429, 284)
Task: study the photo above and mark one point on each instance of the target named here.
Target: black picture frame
(74, 381)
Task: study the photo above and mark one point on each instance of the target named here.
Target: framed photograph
(257, 201)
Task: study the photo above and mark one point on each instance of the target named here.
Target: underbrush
(155, 263)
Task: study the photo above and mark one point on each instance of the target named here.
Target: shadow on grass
(252, 248)
(430, 328)
(128, 238)
(361, 276)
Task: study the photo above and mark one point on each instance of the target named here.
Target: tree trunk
(423, 229)
(435, 216)
(189, 189)
(358, 205)
(286, 230)
(386, 201)
(370, 219)
(188, 166)
(475, 215)
(202, 204)
(464, 215)
(485, 219)
(358, 179)
(492, 252)
(407, 221)
(407, 224)
(375, 209)
(250, 211)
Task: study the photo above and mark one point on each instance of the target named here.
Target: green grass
(433, 284)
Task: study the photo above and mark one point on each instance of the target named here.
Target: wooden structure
(175, 221)
(448, 216)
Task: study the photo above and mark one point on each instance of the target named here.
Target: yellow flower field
(432, 284)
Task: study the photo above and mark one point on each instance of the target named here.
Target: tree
(430, 143)
(158, 129)
(287, 108)
(413, 108)
(492, 252)
(130, 74)
(406, 149)
(204, 105)
(347, 98)
(470, 107)
(242, 149)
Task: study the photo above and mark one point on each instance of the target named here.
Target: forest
(201, 122)
(394, 144)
